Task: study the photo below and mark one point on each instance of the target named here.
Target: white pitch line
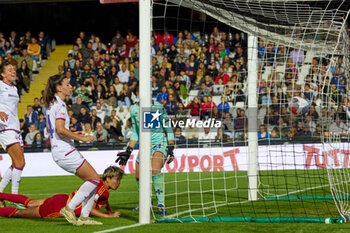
(187, 211)
(242, 202)
(120, 228)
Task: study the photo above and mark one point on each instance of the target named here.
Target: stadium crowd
(25, 53)
(202, 77)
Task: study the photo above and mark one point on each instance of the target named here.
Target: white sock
(16, 178)
(83, 193)
(6, 179)
(87, 205)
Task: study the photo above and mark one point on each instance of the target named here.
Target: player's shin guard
(6, 179)
(158, 182)
(83, 193)
(87, 205)
(16, 198)
(8, 211)
(16, 179)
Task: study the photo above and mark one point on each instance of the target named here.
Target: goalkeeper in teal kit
(162, 148)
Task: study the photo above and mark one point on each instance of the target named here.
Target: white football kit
(10, 132)
(63, 150)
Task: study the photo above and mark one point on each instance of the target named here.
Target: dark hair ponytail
(50, 90)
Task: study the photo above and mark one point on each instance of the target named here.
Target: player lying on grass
(50, 207)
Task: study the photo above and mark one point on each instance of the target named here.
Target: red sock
(15, 198)
(7, 211)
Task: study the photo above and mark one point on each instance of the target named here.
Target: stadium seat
(240, 105)
(216, 99)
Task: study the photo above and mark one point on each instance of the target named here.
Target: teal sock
(158, 182)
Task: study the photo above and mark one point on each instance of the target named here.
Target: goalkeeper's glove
(170, 153)
(124, 156)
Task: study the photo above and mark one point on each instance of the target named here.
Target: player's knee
(155, 171)
(19, 163)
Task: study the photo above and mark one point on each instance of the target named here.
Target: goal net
(240, 62)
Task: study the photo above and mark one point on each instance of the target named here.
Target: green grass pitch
(126, 197)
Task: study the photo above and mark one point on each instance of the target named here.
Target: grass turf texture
(125, 198)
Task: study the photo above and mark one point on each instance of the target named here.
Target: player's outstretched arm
(124, 156)
(97, 213)
(61, 129)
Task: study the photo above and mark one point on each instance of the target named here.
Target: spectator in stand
(14, 38)
(38, 140)
(240, 124)
(87, 52)
(114, 129)
(45, 47)
(23, 74)
(25, 41)
(206, 136)
(219, 88)
(77, 106)
(223, 106)
(206, 108)
(124, 51)
(204, 91)
(84, 116)
(117, 85)
(133, 82)
(118, 40)
(84, 93)
(291, 73)
(194, 106)
(124, 97)
(111, 96)
(297, 56)
(221, 137)
(162, 97)
(179, 138)
(94, 119)
(270, 55)
(171, 105)
(282, 55)
(123, 74)
(155, 87)
(168, 38)
(31, 134)
(37, 106)
(261, 49)
(27, 58)
(338, 127)
(100, 112)
(100, 134)
(34, 50)
(75, 125)
(8, 47)
(23, 127)
(222, 75)
(131, 40)
(263, 135)
(31, 117)
(237, 95)
(42, 123)
(87, 131)
(98, 93)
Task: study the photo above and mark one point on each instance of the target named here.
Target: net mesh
(303, 50)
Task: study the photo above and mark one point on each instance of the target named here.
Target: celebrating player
(10, 134)
(50, 207)
(162, 147)
(63, 151)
